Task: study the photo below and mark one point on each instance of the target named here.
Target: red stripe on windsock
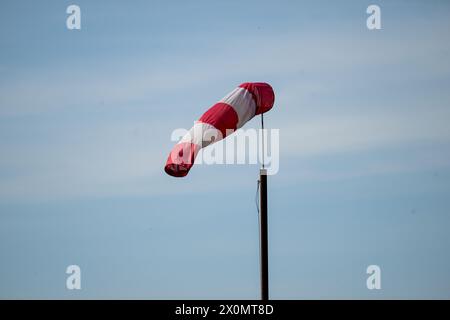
(262, 94)
(221, 116)
(181, 159)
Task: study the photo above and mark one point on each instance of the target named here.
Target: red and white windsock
(223, 118)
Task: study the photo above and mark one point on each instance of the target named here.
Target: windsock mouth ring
(181, 159)
(177, 170)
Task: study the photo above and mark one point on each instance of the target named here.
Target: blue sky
(85, 124)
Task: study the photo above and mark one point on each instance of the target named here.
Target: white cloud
(324, 53)
(127, 157)
(347, 133)
(99, 160)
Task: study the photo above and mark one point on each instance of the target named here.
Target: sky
(86, 118)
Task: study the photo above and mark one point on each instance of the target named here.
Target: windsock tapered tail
(227, 115)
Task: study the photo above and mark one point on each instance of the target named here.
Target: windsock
(223, 118)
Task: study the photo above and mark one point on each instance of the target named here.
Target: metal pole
(264, 236)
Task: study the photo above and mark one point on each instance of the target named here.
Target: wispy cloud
(348, 133)
(122, 155)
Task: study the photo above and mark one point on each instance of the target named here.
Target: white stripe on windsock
(202, 134)
(242, 101)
